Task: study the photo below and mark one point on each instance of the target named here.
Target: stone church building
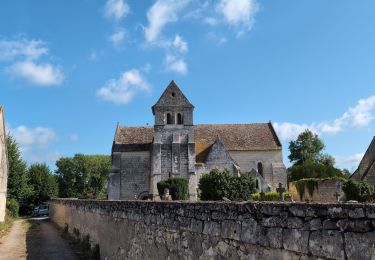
(366, 168)
(174, 146)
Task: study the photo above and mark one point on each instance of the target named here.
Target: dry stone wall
(218, 230)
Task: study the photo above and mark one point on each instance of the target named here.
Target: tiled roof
(236, 137)
(134, 135)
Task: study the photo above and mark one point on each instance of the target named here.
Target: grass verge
(6, 225)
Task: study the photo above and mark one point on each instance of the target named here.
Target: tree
(216, 185)
(83, 175)
(44, 183)
(307, 147)
(18, 179)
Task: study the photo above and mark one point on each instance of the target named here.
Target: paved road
(42, 242)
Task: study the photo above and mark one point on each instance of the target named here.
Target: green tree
(217, 185)
(18, 179)
(307, 147)
(44, 183)
(83, 176)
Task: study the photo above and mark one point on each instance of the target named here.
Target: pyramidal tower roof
(172, 97)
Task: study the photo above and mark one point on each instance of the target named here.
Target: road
(41, 241)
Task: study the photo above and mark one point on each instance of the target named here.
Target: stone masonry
(3, 166)
(220, 230)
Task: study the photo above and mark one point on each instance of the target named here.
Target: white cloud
(118, 37)
(238, 13)
(123, 90)
(351, 162)
(216, 38)
(34, 143)
(116, 9)
(179, 44)
(23, 48)
(24, 58)
(37, 74)
(175, 64)
(39, 136)
(357, 117)
(160, 14)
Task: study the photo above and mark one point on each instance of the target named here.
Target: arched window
(260, 168)
(169, 119)
(179, 119)
(257, 184)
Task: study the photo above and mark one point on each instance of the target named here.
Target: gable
(365, 166)
(172, 97)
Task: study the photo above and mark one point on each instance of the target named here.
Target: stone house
(174, 146)
(366, 168)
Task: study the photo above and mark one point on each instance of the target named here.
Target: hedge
(218, 185)
(178, 188)
(361, 191)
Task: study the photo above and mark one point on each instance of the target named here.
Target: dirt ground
(40, 240)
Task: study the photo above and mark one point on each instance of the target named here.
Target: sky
(71, 69)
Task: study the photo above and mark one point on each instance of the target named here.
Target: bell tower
(173, 148)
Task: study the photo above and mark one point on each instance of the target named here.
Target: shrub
(217, 185)
(309, 170)
(269, 196)
(178, 188)
(13, 207)
(358, 190)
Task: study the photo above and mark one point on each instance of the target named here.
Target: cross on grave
(281, 190)
(337, 196)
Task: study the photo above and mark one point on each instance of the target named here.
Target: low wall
(324, 192)
(220, 230)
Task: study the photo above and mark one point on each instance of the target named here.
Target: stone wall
(3, 167)
(218, 230)
(324, 192)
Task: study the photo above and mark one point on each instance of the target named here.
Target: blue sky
(70, 70)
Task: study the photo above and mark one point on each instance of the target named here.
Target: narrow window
(179, 119)
(257, 184)
(260, 168)
(169, 119)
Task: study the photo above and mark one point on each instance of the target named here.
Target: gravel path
(43, 241)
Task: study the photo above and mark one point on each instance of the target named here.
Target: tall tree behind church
(83, 176)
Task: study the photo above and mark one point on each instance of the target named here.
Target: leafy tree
(44, 183)
(307, 147)
(313, 170)
(18, 179)
(83, 176)
(217, 185)
(361, 191)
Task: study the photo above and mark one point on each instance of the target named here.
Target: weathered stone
(271, 237)
(342, 224)
(250, 231)
(370, 212)
(359, 226)
(360, 246)
(273, 222)
(294, 223)
(295, 240)
(337, 212)
(316, 224)
(357, 213)
(329, 225)
(196, 226)
(327, 244)
(211, 228)
(270, 210)
(297, 211)
(230, 229)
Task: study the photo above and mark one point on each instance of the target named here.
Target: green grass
(6, 225)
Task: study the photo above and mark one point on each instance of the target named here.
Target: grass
(6, 225)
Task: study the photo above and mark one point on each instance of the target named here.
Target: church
(366, 168)
(175, 147)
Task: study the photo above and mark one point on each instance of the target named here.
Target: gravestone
(3, 166)
(281, 191)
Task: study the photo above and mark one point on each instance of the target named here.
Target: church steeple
(173, 108)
